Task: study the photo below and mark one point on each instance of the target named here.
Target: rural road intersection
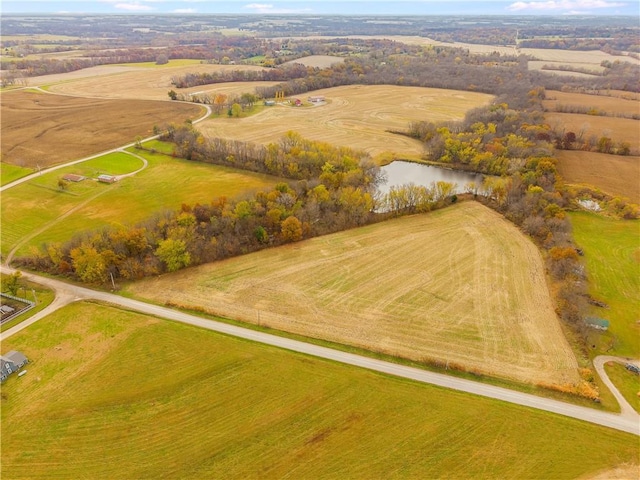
(628, 421)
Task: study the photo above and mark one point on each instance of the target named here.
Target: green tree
(236, 110)
(173, 253)
(12, 284)
(173, 95)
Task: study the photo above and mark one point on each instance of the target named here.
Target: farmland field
(108, 392)
(612, 256)
(39, 206)
(357, 116)
(618, 129)
(47, 129)
(460, 285)
(9, 173)
(609, 104)
(613, 174)
(143, 82)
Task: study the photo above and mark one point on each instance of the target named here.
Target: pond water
(400, 173)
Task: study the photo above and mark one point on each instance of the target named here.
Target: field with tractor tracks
(357, 116)
(460, 285)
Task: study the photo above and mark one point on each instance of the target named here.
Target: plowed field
(461, 285)
(43, 129)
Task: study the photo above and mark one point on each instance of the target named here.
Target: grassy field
(627, 382)
(181, 62)
(612, 257)
(357, 116)
(614, 174)
(42, 129)
(9, 173)
(608, 104)
(618, 129)
(40, 212)
(109, 392)
(460, 285)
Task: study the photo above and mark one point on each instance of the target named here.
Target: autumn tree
(173, 253)
(291, 229)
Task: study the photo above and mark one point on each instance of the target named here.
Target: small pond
(400, 173)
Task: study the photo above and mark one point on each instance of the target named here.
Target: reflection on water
(400, 173)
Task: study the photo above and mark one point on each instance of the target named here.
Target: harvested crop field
(460, 285)
(356, 116)
(318, 61)
(618, 129)
(143, 83)
(44, 129)
(613, 174)
(608, 104)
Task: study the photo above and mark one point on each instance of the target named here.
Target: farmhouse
(107, 178)
(10, 363)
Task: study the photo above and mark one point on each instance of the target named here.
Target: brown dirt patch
(460, 285)
(44, 129)
(613, 174)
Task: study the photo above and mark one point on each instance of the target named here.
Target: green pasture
(114, 394)
(37, 203)
(166, 183)
(628, 383)
(10, 173)
(31, 291)
(612, 257)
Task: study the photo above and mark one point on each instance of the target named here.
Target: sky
(322, 7)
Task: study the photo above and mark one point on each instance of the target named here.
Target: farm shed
(10, 363)
(107, 178)
(317, 99)
(269, 103)
(72, 177)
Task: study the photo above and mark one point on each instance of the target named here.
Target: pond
(400, 173)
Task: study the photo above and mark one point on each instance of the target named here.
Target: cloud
(133, 7)
(563, 5)
(185, 10)
(268, 8)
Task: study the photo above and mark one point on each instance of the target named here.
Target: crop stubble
(460, 285)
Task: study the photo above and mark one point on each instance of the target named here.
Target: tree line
(333, 191)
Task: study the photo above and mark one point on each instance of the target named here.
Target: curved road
(598, 363)
(68, 293)
(113, 150)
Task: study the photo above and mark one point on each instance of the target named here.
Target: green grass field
(166, 183)
(627, 382)
(10, 173)
(612, 256)
(113, 394)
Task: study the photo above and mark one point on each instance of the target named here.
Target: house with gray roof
(11, 362)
